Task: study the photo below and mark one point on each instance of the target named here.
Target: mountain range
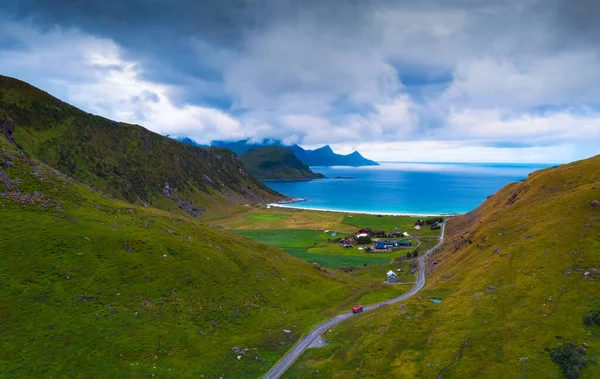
(323, 156)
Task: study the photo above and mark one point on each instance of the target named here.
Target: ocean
(405, 188)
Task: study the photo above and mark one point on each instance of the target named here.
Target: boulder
(595, 203)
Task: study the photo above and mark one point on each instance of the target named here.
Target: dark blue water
(407, 188)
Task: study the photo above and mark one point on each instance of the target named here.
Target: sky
(429, 80)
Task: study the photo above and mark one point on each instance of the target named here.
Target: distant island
(323, 156)
(276, 163)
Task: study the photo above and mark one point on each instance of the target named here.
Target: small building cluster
(366, 236)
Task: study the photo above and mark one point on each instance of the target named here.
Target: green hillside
(516, 278)
(127, 161)
(92, 286)
(276, 163)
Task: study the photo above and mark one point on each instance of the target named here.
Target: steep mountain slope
(325, 156)
(95, 287)
(516, 277)
(274, 162)
(126, 161)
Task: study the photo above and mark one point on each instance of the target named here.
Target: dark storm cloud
(179, 40)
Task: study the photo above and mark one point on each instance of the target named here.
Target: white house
(392, 277)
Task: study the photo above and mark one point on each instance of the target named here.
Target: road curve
(293, 354)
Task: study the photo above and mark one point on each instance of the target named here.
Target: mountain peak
(325, 148)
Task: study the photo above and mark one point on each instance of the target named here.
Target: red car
(357, 309)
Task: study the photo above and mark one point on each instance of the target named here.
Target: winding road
(290, 357)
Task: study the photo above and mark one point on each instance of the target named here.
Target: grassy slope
(127, 161)
(511, 277)
(87, 291)
(276, 163)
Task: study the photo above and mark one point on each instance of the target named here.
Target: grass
(511, 279)
(301, 232)
(335, 261)
(315, 246)
(266, 217)
(306, 219)
(286, 238)
(337, 249)
(298, 219)
(128, 161)
(90, 285)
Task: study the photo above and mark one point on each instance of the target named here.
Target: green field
(315, 246)
(266, 217)
(335, 261)
(286, 238)
(337, 249)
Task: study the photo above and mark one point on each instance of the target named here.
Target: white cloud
(461, 151)
(91, 73)
(494, 126)
(560, 79)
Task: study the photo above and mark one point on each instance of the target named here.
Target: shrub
(592, 318)
(570, 358)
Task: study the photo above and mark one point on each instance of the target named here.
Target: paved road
(291, 356)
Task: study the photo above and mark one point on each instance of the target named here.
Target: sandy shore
(360, 212)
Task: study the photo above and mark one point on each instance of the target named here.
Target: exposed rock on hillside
(6, 126)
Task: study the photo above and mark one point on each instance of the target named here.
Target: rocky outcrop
(6, 126)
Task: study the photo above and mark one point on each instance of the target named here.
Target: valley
(105, 260)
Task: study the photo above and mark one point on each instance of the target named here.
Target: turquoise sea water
(407, 188)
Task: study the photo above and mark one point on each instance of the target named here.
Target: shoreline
(364, 212)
